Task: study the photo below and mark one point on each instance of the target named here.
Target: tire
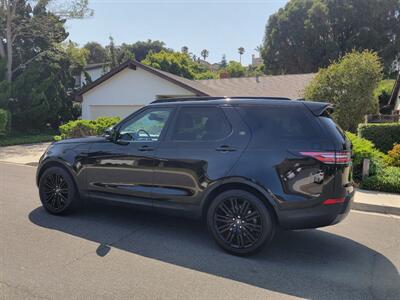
(58, 192)
(239, 228)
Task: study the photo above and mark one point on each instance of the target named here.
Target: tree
(253, 71)
(204, 53)
(36, 81)
(77, 57)
(97, 53)
(140, 49)
(223, 62)
(124, 54)
(20, 23)
(68, 9)
(112, 53)
(306, 35)
(259, 49)
(241, 51)
(178, 63)
(42, 94)
(185, 49)
(349, 84)
(235, 69)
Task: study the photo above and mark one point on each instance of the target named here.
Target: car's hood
(83, 140)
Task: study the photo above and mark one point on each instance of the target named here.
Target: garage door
(112, 110)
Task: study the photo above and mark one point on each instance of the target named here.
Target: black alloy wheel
(237, 222)
(57, 191)
(240, 223)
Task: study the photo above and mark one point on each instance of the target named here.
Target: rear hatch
(341, 144)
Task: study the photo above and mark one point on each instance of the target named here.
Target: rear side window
(282, 123)
(338, 135)
(333, 128)
(200, 124)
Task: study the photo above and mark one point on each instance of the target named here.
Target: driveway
(107, 252)
(23, 154)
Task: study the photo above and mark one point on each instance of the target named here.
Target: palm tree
(259, 49)
(204, 53)
(185, 49)
(241, 51)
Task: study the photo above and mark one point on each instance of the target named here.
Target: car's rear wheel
(240, 222)
(57, 191)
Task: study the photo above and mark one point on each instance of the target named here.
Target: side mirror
(110, 133)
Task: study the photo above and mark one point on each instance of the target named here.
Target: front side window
(200, 124)
(147, 126)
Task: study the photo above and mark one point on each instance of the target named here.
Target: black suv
(247, 166)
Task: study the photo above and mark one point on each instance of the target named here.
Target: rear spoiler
(319, 108)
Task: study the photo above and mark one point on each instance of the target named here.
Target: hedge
(81, 128)
(387, 180)
(5, 120)
(382, 177)
(383, 135)
(363, 148)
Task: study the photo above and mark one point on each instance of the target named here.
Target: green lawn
(19, 139)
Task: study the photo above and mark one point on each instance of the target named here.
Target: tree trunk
(2, 50)
(9, 43)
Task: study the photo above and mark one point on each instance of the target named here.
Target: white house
(133, 85)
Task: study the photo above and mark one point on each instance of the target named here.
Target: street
(105, 252)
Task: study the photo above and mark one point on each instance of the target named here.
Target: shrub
(103, 123)
(349, 84)
(393, 157)
(5, 120)
(386, 180)
(363, 148)
(383, 92)
(383, 135)
(81, 128)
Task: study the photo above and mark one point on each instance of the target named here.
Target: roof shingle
(290, 86)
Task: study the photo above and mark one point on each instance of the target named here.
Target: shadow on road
(310, 264)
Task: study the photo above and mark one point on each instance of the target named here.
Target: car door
(123, 169)
(202, 145)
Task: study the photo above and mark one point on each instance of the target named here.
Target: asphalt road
(110, 252)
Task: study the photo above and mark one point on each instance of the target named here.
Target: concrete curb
(381, 209)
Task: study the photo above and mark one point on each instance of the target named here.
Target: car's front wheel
(240, 222)
(57, 191)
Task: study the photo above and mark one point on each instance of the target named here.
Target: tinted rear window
(282, 123)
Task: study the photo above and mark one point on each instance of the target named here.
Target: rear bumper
(317, 216)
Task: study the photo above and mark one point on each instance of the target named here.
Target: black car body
(288, 154)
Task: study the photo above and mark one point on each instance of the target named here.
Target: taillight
(333, 201)
(331, 157)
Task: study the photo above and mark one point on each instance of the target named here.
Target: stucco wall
(130, 89)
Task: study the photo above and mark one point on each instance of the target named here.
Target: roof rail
(194, 98)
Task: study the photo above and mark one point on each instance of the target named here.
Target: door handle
(146, 148)
(225, 148)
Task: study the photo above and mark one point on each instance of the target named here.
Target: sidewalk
(378, 202)
(370, 201)
(23, 154)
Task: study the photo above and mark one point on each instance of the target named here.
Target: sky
(220, 26)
